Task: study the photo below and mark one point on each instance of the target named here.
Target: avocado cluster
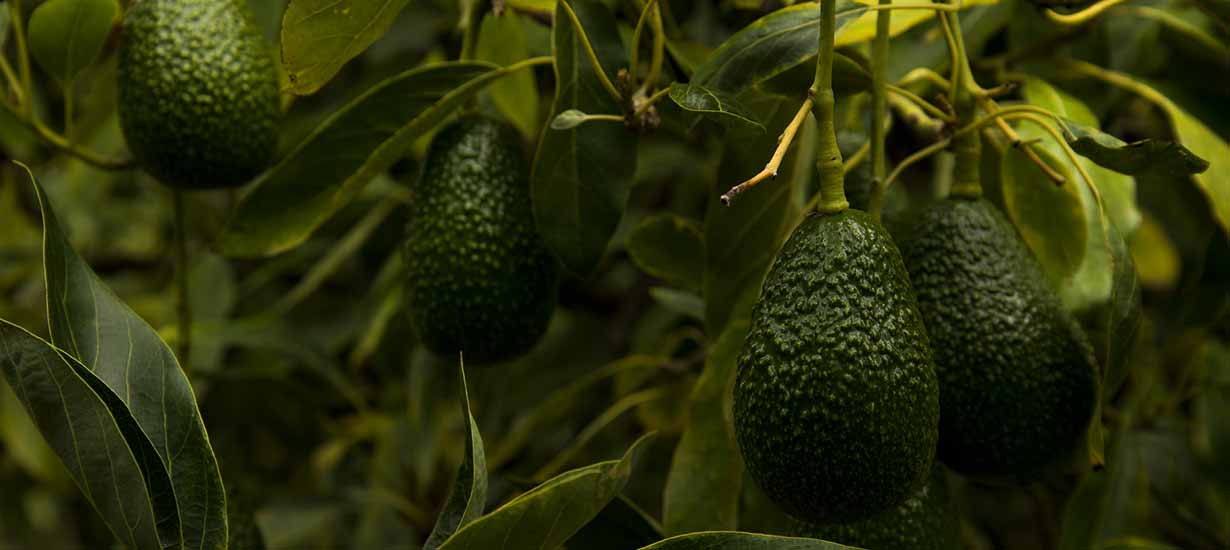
(1017, 375)
(836, 404)
(480, 279)
(925, 521)
(198, 92)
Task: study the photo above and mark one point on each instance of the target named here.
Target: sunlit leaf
(1204, 142)
(702, 488)
(329, 168)
(736, 540)
(714, 104)
(501, 40)
(582, 175)
(549, 514)
(81, 429)
(319, 36)
(671, 248)
(91, 323)
(469, 493)
(66, 36)
(1050, 217)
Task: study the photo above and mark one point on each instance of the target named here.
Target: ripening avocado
(481, 281)
(198, 92)
(925, 521)
(835, 401)
(1017, 375)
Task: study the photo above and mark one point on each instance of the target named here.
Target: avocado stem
(879, 108)
(23, 56)
(964, 93)
(828, 158)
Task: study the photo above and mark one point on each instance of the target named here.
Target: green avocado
(925, 521)
(481, 281)
(1017, 375)
(198, 92)
(835, 401)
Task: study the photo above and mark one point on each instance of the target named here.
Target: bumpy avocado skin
(481, 281)
(198, 93)
(1017, 375)
(925, 521)
(835, 401)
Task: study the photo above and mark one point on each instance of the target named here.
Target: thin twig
(924, 104)
(770, 169)
(1022, 145)
(650, 101)
(1083, 16)
(593, 56)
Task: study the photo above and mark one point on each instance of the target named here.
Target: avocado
(1017, 375)
(925, 521)
(835, 401)
(198, 92)
(480, 279)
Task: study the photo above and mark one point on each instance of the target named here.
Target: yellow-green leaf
(319, 36)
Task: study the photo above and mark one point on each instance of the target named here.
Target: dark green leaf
(715, 104)
(770, 46)
(468, 497)
(319, 36)
(1148, 156)
(501, 40)
(619, 526)
(735, 540)
(80, 428)
(90, 323)
(741, 240)
(328, 169)
(671, 248)
(582, 175)
(703, 489)
(549, 514)
(67, 35)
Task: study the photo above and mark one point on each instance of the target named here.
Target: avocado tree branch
(770, 169)
(644, 106)
(589, 52)
(879, 107)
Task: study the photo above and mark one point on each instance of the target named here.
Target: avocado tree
(615, 274)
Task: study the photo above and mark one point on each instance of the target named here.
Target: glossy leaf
(619, 526)
(703, 486)
(736, 540)
(549, 514)
(1144, 157)
(319, 36)
(863, 29)
(468, 497)
(671, 248)
(770, 46)
(582, 175)
(66, 36)
(501, 40)
(91, 323)
(742, 239)
(80, 428)
(715, 104)
(329, 168)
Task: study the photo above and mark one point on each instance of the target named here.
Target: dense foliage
(188, 362)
